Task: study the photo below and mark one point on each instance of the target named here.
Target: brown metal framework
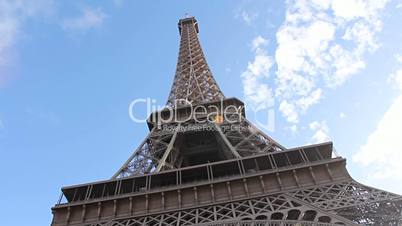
(193, 82)
(222, 172)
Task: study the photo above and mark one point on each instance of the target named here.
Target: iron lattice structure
(214, 170)
(193, 82)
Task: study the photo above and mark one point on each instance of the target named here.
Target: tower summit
(208, 165)
(193, 82)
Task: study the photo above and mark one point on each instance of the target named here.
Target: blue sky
(330, 70)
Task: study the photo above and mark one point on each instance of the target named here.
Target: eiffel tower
(209, 165)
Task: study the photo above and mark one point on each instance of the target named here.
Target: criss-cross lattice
(356, 202)
(193, 82)
(270, 207)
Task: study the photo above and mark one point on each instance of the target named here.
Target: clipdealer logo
(220, 114)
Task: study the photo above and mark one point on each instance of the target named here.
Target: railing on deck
(197, 174)
(270, 223)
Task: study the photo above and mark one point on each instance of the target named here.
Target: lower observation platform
(256, 190)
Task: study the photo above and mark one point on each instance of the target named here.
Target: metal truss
(161, 151)
(243, 223)
(244, 138)
(193, 82)
(276, 208)
(146, 157)
(359, 203)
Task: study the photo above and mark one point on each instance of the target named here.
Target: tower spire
(193, 82)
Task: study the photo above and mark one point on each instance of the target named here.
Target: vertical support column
(312, 175)
(229, 190)
(262, 184)
(68, 215)
(99, 210)
(195, 195)
(114, 208)
(163, 200)
(329, 172)
(130, 207)
(296, 178)
(278, 178)
(83, 212)
(246, 187)
(179, 197)
(212, 192)
(162, 161)
(146, 203)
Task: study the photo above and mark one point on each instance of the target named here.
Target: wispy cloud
(257, 93)
(382, 152)
(90, 18)
(43, 115)
(322, 42)
(248, 17)
(13, 15)
(320, 130)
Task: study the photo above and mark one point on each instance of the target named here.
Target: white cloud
(293, 128)
(322, 42)
(13, 15)
(382, 152)
(90, 18)
(258, 42)
(395, 78)
(321, 131)
(398, 58)
(342, 115)
(348, 9)
(257, 93)
(248, 17)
